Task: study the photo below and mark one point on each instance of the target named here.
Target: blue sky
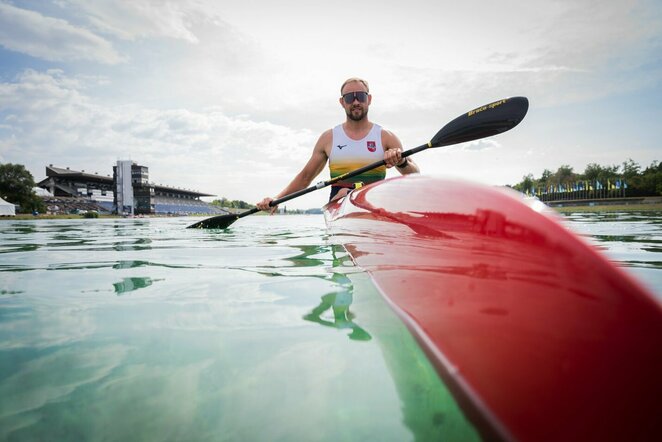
(229, 98)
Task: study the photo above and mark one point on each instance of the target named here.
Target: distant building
(123, 183)
(69, 183)
(134, 195)
(128, 191)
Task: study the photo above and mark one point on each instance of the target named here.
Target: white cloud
(480, 145)
(52, 39)
(587, 34)
(46, 117)
(134, 19)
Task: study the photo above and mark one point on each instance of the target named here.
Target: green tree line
(17, 187)
(234, 204)
(637, 180)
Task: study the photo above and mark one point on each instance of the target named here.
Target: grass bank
(611, 208)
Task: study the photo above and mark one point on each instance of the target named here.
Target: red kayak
(538, 335)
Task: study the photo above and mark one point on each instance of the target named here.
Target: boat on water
(536, 333)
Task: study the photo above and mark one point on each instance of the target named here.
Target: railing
(580, 190)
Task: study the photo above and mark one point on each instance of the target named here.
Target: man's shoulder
(389, 139)
(324, 142)
(385, 132)
(327, 135)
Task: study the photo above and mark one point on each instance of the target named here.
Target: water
(139, 329)
(631, 239)
(143, 330)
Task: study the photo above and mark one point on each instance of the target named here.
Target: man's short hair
(355, 80)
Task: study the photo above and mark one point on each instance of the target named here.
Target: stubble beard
(358, 116)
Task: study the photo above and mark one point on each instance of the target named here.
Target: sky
(229, 98)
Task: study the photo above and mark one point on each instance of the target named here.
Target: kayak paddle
(484, 121)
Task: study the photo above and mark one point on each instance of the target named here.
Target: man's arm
(393, 154)
(313, 167)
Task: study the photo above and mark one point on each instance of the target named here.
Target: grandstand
(99, 192)
(177, 206)
(67, 205)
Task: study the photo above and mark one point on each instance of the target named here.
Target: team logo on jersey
(372, 146)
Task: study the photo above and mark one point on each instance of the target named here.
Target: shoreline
(27, 216)
(611, 208)
(567, 209)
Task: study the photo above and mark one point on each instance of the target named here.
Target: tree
(609, 172)
(16, 186)
(651, 180)
(630, 169)
(647, 182)
(546, 176)
(528, 183)
(592, 171)
(564, 175)
(234, 204)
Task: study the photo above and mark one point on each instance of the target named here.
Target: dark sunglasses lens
(350, 97)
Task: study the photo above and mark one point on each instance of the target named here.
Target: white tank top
(348, 155)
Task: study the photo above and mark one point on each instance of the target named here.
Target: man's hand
(392, 157)
(264, 205)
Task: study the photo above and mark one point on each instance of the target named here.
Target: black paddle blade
(215, 222)
(482, 122)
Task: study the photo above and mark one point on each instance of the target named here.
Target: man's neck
(357, 129)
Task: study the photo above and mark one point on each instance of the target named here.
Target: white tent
(7, 209)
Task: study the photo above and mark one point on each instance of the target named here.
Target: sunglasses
(351, 96)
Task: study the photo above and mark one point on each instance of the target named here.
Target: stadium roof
(75, 175)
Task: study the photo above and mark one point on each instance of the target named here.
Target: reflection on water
(142, 329)
(334, 307)
(131, 284)
(341, 318)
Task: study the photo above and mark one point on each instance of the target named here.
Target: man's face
(356, 100)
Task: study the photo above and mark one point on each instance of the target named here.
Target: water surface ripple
(632, 240)
(140, 329)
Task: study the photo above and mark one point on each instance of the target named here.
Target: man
(348, 146)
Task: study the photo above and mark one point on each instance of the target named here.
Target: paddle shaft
(353, 173)
(223, 221)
